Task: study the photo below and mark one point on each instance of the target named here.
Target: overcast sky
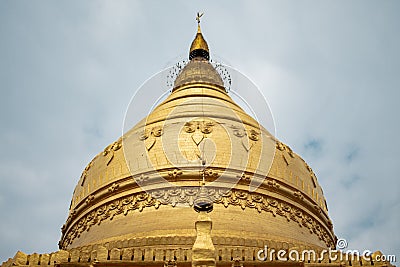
(330, 71)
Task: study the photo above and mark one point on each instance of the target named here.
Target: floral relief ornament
(176, 196)
(109, 150)
(199, 130)
(253, 136)
(150, 137)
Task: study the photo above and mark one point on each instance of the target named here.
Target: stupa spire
(199, 47)
(199, 15)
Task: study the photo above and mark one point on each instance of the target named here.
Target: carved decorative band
(186, 196)
(172, 174)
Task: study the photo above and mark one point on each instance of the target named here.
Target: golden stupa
(135, 202)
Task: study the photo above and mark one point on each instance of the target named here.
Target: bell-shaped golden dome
(133, 194)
